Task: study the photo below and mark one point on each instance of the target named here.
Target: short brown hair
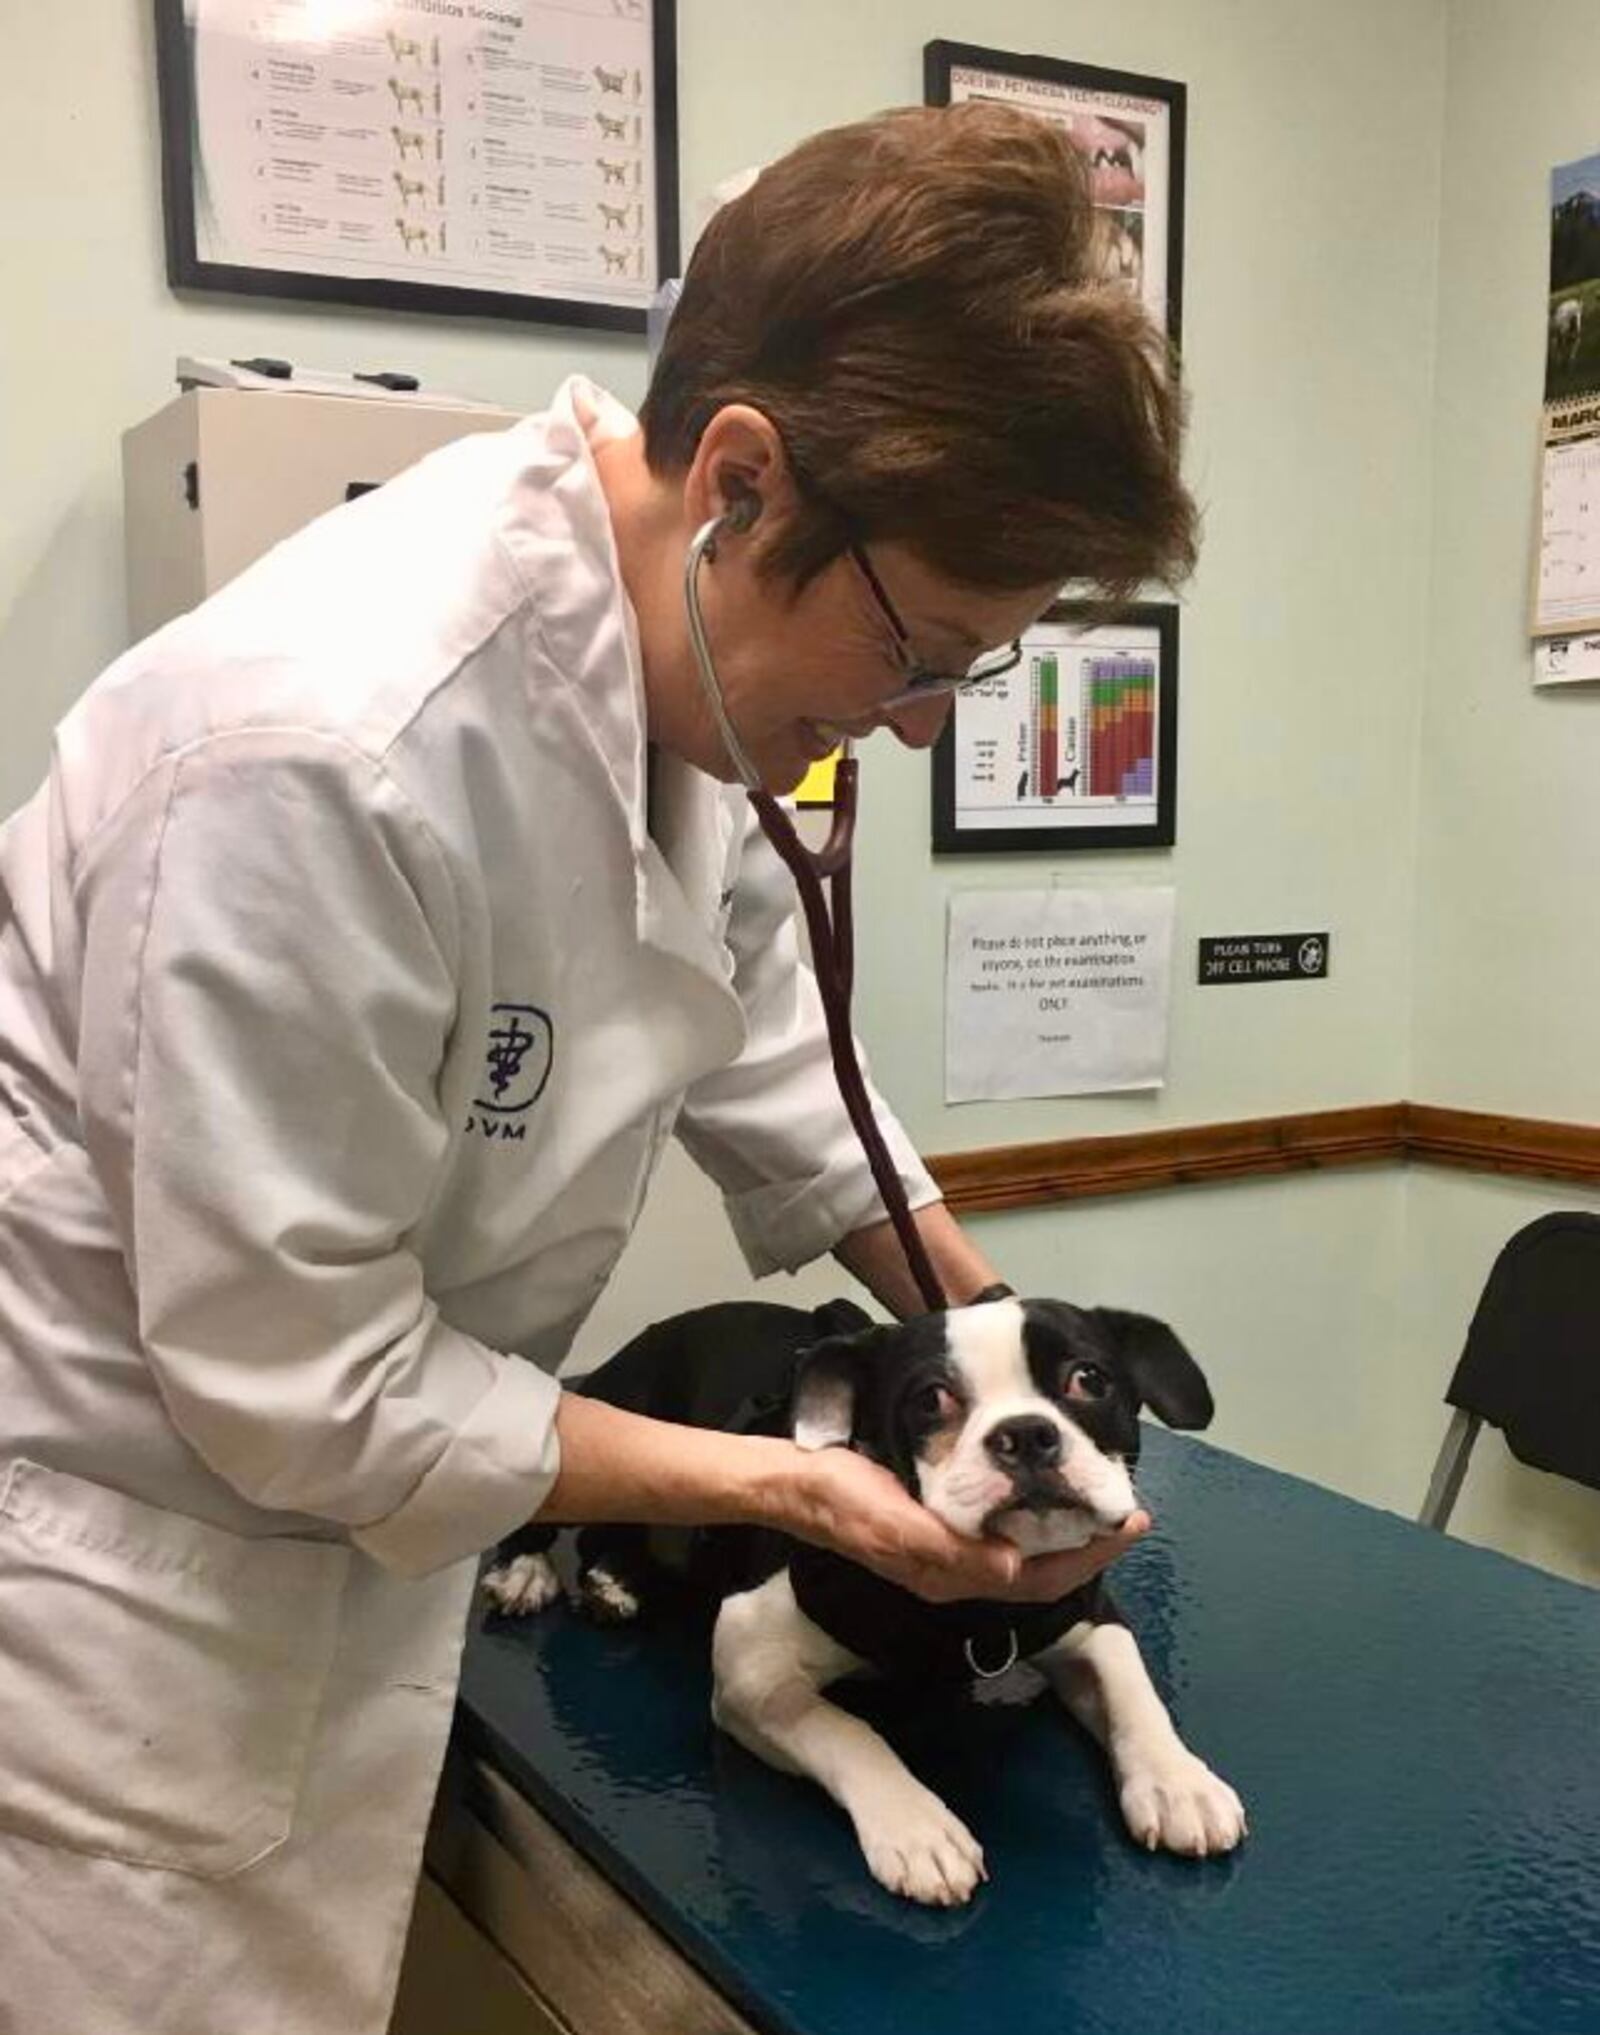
(916, 303)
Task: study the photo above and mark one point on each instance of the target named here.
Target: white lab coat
(346, 1000)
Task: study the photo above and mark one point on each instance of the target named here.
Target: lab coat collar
(561, 540)
(559, 537)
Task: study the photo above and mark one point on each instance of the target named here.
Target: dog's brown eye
(1087, 1381)
(934, 1402)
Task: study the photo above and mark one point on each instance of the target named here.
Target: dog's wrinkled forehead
(1054, 1333)
(894, 1389)
(1001, 1352)
(999, 1355)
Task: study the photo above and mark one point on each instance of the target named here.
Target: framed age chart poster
(1074, 747)
(498, 158)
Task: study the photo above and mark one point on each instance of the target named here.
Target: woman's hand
(840, 1500)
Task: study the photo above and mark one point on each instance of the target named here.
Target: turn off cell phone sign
(1264, 957)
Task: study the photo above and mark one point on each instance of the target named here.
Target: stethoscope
(831, 930)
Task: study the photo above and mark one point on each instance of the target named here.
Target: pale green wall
(1328, 1310)
(1508, 962)
(1507, 958)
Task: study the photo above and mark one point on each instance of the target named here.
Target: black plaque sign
(1264, 957)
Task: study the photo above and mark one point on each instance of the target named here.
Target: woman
(377, 923)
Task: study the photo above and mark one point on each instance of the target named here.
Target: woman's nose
(918, 723)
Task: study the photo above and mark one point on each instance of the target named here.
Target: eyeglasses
(925, 681)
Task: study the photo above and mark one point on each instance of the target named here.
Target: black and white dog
(1012, 1418)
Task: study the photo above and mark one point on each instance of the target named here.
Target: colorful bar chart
(1117, 712)
(1046, 724)
(1077, 739)
(1120, 714)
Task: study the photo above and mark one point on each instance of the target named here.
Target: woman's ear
(739, 469)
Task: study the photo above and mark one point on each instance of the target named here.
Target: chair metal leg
(1450, 1468)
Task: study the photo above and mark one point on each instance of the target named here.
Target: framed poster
(1130, 131)
(1075, 747)
(515, 159)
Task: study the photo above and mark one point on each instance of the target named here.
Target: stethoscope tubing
(832, 932)
(703, 548)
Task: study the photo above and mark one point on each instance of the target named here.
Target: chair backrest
(1531, 1365)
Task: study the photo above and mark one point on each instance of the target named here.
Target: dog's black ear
(827, 1376)
(1165, 1376)
(840, 1317)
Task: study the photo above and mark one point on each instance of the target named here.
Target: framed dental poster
(510, 159)
(1075, 747)
(1130, 131)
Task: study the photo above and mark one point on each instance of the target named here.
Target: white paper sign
(1056, 992)
(1566, 660)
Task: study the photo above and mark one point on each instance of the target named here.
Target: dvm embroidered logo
(516, 1068)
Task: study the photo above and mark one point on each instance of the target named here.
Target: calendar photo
(1572, 339)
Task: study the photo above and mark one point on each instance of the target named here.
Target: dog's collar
(903, 1635)
(972, 1650)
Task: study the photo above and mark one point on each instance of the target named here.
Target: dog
(1010, 1418)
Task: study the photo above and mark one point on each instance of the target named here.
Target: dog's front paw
(1172, 1801)
(605, 1597)
(915, 1846)
(523, 1585)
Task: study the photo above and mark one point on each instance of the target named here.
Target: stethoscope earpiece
(741, 515)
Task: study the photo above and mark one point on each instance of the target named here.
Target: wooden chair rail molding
(1030, 1176)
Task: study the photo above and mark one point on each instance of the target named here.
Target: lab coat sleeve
(771, 1129)
(269, 947)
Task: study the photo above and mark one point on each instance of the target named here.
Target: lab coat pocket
(159, 1678)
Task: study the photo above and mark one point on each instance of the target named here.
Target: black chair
(1531, 1365)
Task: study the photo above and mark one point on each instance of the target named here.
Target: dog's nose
(1028, 1442)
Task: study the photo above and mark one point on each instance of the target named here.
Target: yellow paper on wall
(816, 787)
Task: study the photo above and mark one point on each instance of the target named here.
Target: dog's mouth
(1041, 1515)
(1043, 1529)
(1038, 1492)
